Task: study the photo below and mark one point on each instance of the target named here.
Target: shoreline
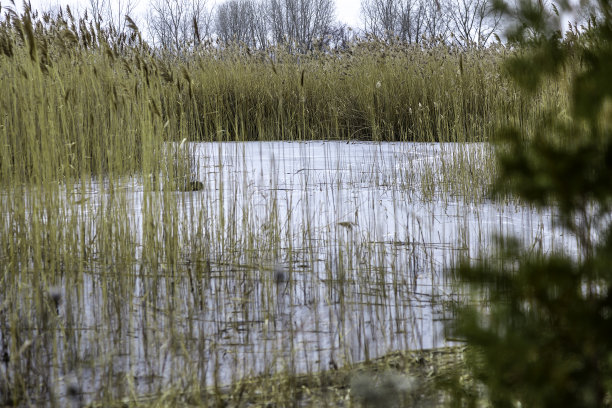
(400, 377)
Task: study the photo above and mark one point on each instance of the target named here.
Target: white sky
(347, 11)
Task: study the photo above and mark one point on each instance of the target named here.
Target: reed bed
(148, 249)
(97, 100)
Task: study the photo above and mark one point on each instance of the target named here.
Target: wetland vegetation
(259, 227)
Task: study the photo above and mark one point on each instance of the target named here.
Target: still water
(293, 256)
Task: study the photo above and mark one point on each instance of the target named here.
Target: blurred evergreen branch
(540, 333)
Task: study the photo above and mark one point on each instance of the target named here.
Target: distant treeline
(304, 25)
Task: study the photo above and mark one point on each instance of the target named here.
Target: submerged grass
(135, 262)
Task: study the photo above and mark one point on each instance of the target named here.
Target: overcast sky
(347, 11)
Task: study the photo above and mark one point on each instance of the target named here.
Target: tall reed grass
(95, 101)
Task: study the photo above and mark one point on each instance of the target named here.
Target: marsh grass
(98, 103)
(120, 279)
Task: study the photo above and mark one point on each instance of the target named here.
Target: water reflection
(293, 256)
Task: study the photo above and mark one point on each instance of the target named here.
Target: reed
(96, 102)
(369, 91)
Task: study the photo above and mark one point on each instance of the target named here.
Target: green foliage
(544, 338)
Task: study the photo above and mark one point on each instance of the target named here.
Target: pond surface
(294, 256)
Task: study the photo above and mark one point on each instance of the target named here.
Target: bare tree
(394, 19)
(172, 23)
(380, 17)
(98, 10)
(242, 21)
(260, 24)
(300, 22)
(437, 20)
(111, 14)
(473, 21)
(413, 18)
(340, 36)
